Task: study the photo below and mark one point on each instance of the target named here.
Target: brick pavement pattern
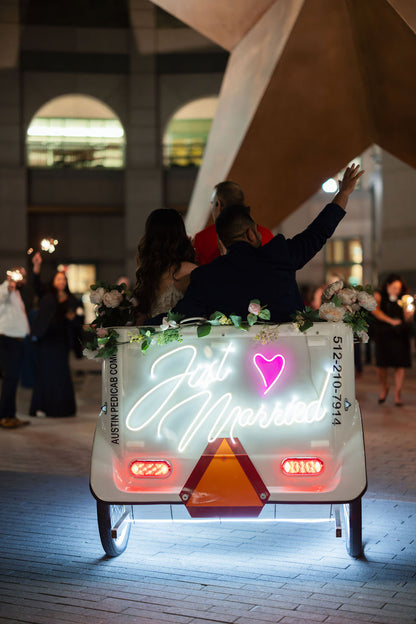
(53, 570)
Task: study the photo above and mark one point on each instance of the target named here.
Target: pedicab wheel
(112, 516)
(353, 528)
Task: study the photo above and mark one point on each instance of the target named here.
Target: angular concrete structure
(309, 86)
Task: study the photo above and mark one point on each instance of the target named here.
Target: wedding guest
(206, 243)
(391, 334)
(14, 327)
(249, 271)
(53, 332)
(165, 259)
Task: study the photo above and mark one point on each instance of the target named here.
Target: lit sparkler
(46, 244)
(15, 275)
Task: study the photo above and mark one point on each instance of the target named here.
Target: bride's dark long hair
(165, 245)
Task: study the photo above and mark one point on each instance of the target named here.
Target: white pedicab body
(226, 426)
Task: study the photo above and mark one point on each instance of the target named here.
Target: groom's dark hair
(232, 223)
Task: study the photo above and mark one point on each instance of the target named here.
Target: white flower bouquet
(114, 308)
(350, 305)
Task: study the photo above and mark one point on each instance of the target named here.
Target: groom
(251, 271)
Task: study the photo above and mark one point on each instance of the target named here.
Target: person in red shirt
(206, 242)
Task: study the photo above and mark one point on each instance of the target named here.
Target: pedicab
(229, 426)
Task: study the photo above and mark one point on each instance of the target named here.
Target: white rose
(331, 312)
(112, 299)
(332, 290)
(367, 301)
(168, 324)
(348, 296)
(88, 353)
(96, 296)
(352, 308)
(362, 336)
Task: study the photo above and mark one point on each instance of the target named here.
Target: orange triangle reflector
(224, 483)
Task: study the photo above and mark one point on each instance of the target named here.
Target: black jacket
(267, 273)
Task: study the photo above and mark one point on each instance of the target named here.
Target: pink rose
(331, 290)
(254, 308)
(112, 299)
(102, 332)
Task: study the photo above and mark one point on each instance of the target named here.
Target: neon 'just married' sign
(195, 396)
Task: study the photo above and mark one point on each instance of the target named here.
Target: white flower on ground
(88, 353)
(112, 299)
(367, 301)
(168, 324)
(331, 290)
(331, 312)
(362, 336)
(254, 308)
(102, 332)
(96, 296)
(348, 296)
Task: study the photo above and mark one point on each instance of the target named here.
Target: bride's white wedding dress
(166, 300)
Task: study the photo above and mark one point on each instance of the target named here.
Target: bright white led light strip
(221, 520)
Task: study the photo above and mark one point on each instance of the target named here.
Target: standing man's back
(206, 241)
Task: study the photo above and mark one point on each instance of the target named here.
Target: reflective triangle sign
(224, 483)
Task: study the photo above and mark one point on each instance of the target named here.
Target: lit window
(344, 260)
(75, 131)
(187, 133)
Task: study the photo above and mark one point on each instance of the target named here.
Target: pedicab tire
(353, 528)
(107, 516)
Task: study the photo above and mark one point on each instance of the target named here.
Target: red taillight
(302, 466)
(158, 469)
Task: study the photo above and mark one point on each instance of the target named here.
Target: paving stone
(53, 570)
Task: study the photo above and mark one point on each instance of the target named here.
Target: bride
(165, 260)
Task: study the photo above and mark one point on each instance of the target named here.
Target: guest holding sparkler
(53, 333)
(14, 327)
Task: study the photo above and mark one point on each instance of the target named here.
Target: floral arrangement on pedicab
(114, 307)
(351, 305)
(170, 329)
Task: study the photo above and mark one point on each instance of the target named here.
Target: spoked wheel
(353, 528)
(114, 527)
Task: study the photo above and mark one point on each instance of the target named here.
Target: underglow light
(221, 520)
(330, 186)
(270, 370)
(205, 389)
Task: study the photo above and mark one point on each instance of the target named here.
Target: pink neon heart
(270, 370)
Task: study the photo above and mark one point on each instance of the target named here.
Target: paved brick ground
(52, 568)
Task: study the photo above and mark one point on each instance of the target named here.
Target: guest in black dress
(53, 333)
(392, 335)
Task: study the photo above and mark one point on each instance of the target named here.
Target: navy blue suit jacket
(267, 273)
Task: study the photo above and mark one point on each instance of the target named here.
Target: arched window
(75, 131)
(187, 133)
